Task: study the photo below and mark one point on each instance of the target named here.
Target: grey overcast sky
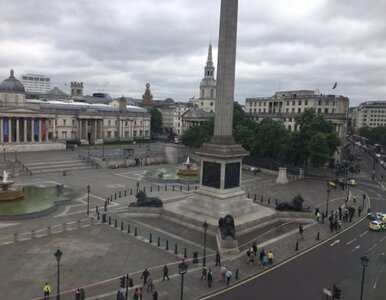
(117, 46)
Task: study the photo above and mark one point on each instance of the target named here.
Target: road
(336, 261)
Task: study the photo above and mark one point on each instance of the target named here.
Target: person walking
(82, 294)
(218, 259)
(150, 284)
(155, 295)
(261, 257)
(144, 276)
(46, 290)
(270, 257)
(204, 272)
(248, 255)
(166, 273)
(222, 273)
(210, 278)
(317, 216)
(254, 248)
(77, 294)
(228, 275)
(136, 294)
(301, 229)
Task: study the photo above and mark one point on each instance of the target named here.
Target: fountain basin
(171, 175)
(187, 172)
(11, 194)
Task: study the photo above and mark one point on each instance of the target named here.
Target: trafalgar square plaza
(106, 218)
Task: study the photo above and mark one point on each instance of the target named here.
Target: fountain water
(188, 171)
(7, 192)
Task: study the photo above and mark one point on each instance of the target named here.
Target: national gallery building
(32, 125)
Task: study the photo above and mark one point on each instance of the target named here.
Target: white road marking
(382, 239)
(364, 233)
(335, 242)
(351, 241)
(372, 247)
(356, 248)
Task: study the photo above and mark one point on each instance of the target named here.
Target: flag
(335, 84)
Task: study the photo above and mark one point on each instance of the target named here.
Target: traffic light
(131, 283)
(122, 281)
(336, 292)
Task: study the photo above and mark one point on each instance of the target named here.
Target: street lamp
(205, 226)
(88, 199)
(58, 256)
(364, 261)
(328, 198)
(182, 269)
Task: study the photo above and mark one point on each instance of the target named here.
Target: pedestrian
(332, 226)
(218, 259)
(82, 294)
(265, 261)
(77, 294)
(270, 257)
(317, 216)
(261, 257)
(222, 273)
(301, 229)
(155, 295)
(248, 255)
(140, 293)
(254, 248)
(136, 294)
(252, 257)
(359, 211)
(210, 278)
(204, 272)
(339, 224)
(323, 217)
(119, 295)
(150, 284)
(144, 276)
(46, 290)
(336, 225)
(166, 273)
(228, 275)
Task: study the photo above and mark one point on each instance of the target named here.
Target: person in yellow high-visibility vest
(46, 290)
(270, 258)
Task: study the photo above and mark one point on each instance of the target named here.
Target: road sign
(327, 292)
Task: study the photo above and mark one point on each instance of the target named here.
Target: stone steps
(49, 166)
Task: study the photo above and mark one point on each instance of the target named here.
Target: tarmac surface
(95, 255)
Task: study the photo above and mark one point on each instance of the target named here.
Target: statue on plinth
(144, 201)
(226, 226)
(295, 205)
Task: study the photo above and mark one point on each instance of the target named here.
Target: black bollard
(158, 241)
(237, 273)
(185, 253)
(317, 236)
(173, 187)
(248, 195)
(111, 198)
(115, 223)
(276, 201)
(195, 187)
(158, 188)
(180, 188)
(119, 196)
(98, 216)
(144, 189)
(135, 231)
(150, 238)
(167, 245)
(269, 200)
(128, 228)
(175, 249)
(262, 199)
(151, 188)
(122, 225)
(125, 193)
(109, 220)
(188, 187)
(96, 209)
(131, 191)
(105, 205)
(166, 187)
(255, 198)
(115, 196)
(297, 246)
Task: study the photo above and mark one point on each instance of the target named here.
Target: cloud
(119, 45)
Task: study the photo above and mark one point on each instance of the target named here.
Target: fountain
(7, 192)
(188, 171)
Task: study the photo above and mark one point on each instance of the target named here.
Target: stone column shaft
(226, 69)
(40, 130)
(25, 130)
(32, 130)
(9, 130)
(17, 130)
(2, 131)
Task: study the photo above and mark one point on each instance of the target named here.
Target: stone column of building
(25, 130)
(95, 129)
(40, 130)
(1, 131)
(9, 130)
(53, 129)
(123, 128)
(86, 130)
(32, 130)
(17, 130)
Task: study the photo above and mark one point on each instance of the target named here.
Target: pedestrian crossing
(50, 166)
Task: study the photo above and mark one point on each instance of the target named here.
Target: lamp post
(205, 226)
(364, 261)
(182, 269)
(88, 199)
(58, 256)
(328, 199)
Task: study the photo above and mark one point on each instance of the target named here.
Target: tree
(197, 135)
(156, 120)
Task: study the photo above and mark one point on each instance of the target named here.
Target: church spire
(209, 68)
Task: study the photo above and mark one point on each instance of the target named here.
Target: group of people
(148, 281)
(265, 259)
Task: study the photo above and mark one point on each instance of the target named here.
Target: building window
(73, 122)
(202, 94)
(211, 93)
(286, 110)
(300, 102)
(293, 110)
(299, 110)
(250, 110)
(115, 134)
(109, 122)
(109, 134)
(64, 134)
(254, 110)
(289, 127)
(320, 102)
(211, 103)
(293, 102)
(56, 122)
(287, 103)
(64, 122)
(319, 110)
(326, 110)
(306, 102)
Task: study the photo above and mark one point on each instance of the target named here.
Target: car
(377, 225)
(352, 182)
(331, 183)
(377, 216)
